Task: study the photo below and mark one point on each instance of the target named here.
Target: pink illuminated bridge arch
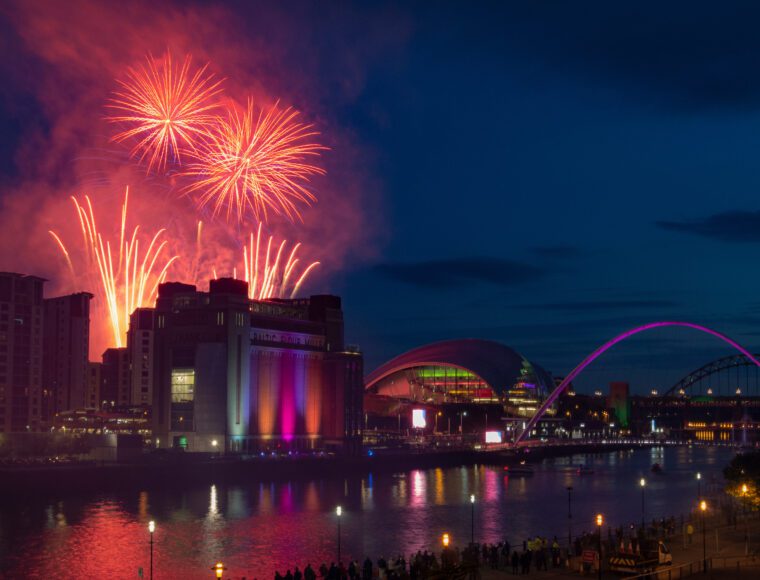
(608, 345)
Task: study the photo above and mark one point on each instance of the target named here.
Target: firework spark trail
(255, 162)
(166, 108)
(129, 281)
(268, 276)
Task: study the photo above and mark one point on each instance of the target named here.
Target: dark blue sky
(550, 173)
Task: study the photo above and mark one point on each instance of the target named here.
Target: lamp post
(569, 517)
(472, 519)
(703, 509)
(445, 540)
(643, 484)
(699, 485)
(338, 513)
(746, 523)
(151, 529)
(599, 522)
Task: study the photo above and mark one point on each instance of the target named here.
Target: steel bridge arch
(711, 368)
(608, 345)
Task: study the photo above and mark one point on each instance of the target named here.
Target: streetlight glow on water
(250, 527)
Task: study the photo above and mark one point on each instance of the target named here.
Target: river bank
(184, 470)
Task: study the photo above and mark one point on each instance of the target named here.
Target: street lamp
(746, 523)
(599, 522)
(151, 529)
(699, 485)
(472, 519)
(703, 509)
(338, 512)
(218, 569)
(569, 516)
(643, 483)
(445, 540)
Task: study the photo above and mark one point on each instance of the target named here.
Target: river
(255, 529)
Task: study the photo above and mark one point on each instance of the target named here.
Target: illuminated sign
(418, 419)
(493, 437)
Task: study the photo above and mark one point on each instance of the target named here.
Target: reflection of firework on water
(256, 162)
(166, 108)
(128, 279)
(268, 273)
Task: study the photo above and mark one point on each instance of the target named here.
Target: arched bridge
(721, 378)
(608, 345)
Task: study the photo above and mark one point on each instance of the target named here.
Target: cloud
(733, 226)
(593, 305)
(459, 271)
(559, 251)
(675, 53)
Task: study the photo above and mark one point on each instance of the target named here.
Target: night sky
(544, 174)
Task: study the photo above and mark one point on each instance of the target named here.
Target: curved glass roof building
(462, 371)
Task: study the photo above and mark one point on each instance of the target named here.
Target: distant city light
(418, 419)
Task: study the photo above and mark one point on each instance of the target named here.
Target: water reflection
(257, 528)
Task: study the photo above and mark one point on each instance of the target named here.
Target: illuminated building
(257, 375)
(619, 403)
(21, 325)
(459, 371)
(464, 381)
(66, 344)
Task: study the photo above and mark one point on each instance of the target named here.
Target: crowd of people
(535, 553)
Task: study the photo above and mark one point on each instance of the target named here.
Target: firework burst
(268, 273)
(166, 109)
(127, 278)
(257, 163)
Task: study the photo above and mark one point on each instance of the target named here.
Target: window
(183, 399)
(183, 385)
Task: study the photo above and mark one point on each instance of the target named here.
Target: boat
(656, 468)
(585, 470)
(520, 469)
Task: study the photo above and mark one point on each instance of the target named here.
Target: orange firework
(127, 279)
(256, 162)
(166, 109)
(269, 274)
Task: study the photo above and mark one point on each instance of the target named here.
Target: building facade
(66, 344)
(140, 347)
(94, 382)
(115, 378)
(242, 376)
(21, 326)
